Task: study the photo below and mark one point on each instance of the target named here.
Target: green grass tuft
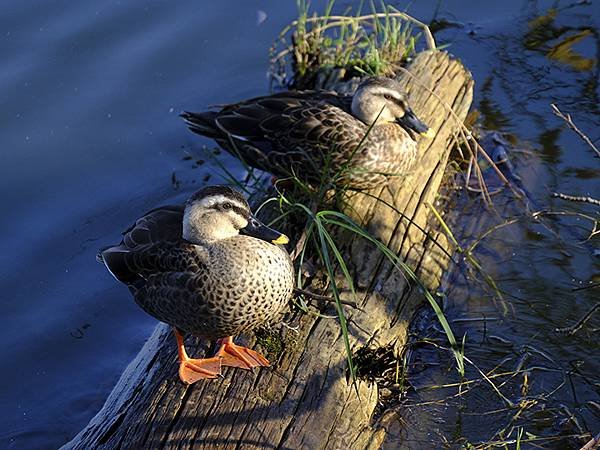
(351, 44)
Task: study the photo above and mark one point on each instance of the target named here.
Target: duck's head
(220, 212)
(382, 99)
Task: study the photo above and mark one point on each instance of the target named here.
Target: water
(537, 263)
(91, 138)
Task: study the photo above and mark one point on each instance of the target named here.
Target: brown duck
(192, 268)
(357, 140)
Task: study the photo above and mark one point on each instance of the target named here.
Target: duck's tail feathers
(116, 261)
(202, 123)
(99, 257)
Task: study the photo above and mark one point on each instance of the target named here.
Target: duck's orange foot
(192, 370)
(234, 355)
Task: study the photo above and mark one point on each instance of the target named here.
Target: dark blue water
(90, 139)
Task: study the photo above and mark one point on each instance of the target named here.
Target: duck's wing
(284, 132)
(153, 244)
(176, 298)
(159, 224)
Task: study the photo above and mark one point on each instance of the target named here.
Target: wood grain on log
(304, 400)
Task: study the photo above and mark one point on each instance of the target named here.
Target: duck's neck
(206, 230)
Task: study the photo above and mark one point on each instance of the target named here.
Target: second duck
(320, 136)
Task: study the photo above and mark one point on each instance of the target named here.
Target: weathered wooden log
(305, 400)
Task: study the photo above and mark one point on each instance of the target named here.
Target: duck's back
(285, 133)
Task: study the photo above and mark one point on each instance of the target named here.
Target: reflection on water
(558, 42)
(492, 116)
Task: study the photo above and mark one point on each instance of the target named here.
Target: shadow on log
(304, 400)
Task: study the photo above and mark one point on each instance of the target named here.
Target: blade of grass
(336, 295)
(346, 223)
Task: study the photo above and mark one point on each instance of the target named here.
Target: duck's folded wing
(173, 297)
(285, 129)
(152, 245)
(309, 136)
(158, 225)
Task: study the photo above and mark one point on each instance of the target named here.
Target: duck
(208, 268)
(358, 140)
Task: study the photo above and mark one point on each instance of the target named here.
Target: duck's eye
(226, 206)
(388, 97)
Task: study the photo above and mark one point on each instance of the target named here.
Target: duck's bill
(412, 123)
(259, 230)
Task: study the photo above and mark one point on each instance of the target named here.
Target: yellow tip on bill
(281, 240)
(429, 133)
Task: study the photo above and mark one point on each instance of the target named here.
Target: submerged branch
(580, 323)
(575, 198)
(583, 288)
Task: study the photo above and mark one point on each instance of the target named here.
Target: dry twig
(572, 126)
(324, 298)
(592, 444)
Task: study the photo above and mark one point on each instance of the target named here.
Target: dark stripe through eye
(397, 101)
(242, 212)
(227, 206)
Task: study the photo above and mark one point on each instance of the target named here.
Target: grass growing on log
(320, 49)
(319, 231)
(372, 44)
(270, 341)
(344, 222)
(326, 248)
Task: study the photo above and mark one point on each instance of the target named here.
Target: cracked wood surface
(304, 400)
